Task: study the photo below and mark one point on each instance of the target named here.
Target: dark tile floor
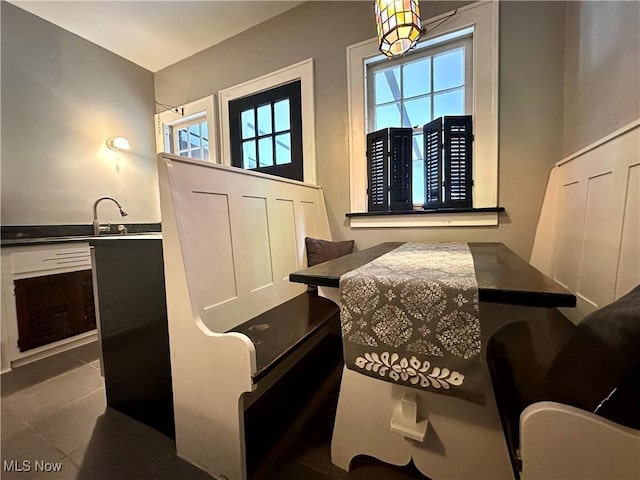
(55, 425)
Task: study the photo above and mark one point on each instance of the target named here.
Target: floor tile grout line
(48, 380)
(68, 456)
(31, 423)
(57, 410)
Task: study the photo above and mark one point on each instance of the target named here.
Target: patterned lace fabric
(411, 317)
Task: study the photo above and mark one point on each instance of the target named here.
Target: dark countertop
(23, 235)
(502, 276)
(110, 239)
(21, 242)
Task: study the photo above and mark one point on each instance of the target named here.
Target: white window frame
(198, 109)
(483, 17)
(186, 125)
(302, 71)
(462, 39)
(422, 50)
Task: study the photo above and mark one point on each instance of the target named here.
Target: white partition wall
(588, 236)
(241, 233)
(230, 239)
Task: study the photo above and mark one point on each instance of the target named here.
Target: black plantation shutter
(448, 162)
(377, 148)
(389, 170)
(433, 164)
(400, 140)
(458, 161)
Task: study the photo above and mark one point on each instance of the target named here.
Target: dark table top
(502, 276)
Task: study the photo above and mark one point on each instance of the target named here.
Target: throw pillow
(319, 251)
(596, 364)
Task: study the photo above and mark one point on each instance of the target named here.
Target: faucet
(97, 228)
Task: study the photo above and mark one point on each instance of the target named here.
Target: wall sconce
(118, 143)
(398, 23)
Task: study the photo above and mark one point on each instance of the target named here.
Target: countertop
(20, 242)
(24, 235)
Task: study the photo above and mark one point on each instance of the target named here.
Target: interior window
(191, 139)
(266, 131)
(187, 130)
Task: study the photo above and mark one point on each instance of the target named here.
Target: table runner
(411, 317)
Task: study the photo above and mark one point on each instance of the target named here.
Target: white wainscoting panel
(283, 238)
(257, 248)
(599, 259)
(569, 234)
(629, 269)
(588, 236)
(210, 251)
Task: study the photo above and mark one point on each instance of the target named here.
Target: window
(433, 81)
(458, 65)
(187, 130)
(264, 127)
(266, 132)
(191, 139)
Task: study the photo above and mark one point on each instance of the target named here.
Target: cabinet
(133, 329)
(47, 285)
(53, 307)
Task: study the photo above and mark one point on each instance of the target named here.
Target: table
(502, 276)
(463, 440)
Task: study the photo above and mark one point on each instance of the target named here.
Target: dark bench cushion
(600, 364)
(596, 363)
(518, 357)
(277, 332)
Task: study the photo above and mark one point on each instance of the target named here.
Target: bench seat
(278, 332)
(250, 351)
(298, 352)
(518, 357)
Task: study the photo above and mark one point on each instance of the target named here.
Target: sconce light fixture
(398, 23)
(118, 143)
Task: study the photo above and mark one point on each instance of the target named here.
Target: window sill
(444, 217)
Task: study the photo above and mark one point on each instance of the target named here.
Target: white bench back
(240, 233)
(588, 236)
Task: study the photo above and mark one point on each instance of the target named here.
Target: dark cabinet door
(54, 307)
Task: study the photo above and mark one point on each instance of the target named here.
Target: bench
(249, 349)
(587, 240)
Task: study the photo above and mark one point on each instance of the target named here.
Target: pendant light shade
(398, 23)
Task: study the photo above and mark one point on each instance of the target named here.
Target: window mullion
(256, 135)
(273, 134)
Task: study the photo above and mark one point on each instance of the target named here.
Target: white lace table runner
(411, 317)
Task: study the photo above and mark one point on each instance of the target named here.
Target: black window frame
(291, 91)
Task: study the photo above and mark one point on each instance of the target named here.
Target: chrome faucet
(97, 228)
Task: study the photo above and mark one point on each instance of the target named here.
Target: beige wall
(61, 98)
(602, 70)
(531, 57)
